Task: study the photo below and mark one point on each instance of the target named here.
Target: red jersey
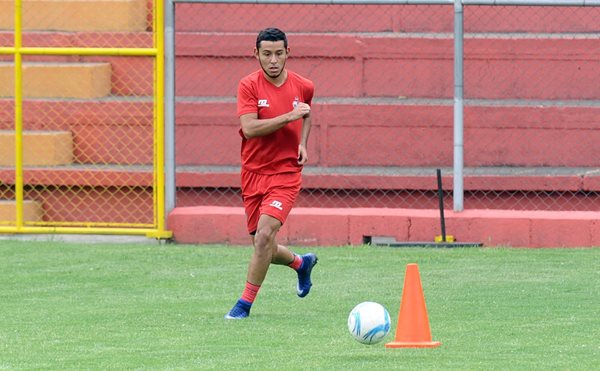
(278, 151)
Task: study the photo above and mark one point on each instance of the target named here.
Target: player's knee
(264, 237)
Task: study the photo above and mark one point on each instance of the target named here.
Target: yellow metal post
(18, 115)
(159, 120)
(89, 51)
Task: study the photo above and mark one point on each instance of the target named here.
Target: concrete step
(346, 131)
(128, 190)
(58, 80)
(32, 211)
(396, 178)
(501, 66)
(405, 66)
(83, 39)
(82, 176)
(408, 133)
(77, 15)
(383, 18)
(40, 148)
(349, 226)
(566, 189)
(111, 130)
(130, 76)
(360, 178)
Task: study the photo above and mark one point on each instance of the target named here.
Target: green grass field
(149, 306)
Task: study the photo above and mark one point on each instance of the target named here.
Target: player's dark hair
(271, 34)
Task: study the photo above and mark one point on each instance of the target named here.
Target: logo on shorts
(277, 204)
(263, 103)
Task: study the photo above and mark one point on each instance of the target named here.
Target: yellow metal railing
(157, 229)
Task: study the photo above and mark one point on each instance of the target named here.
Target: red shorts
(273, 195)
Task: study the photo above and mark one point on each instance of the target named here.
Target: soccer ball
(369, 322)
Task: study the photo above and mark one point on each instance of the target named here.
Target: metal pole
(325, 2)
(18, 76)
(458, 186)
(533, 2)
(170, 187)
(407, 2)
(438, 173)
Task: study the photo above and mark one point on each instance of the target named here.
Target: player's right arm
(252, 126)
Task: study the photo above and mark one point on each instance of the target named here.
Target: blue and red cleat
(240, 310)
(304, 283)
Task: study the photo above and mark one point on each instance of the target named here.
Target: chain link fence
(374, 116)
(383, 107)
(533, 106)
(85, 117)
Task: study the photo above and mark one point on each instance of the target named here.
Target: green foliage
(147, 306)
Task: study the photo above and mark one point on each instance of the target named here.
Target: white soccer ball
(369, 322)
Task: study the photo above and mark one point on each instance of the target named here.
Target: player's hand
(302, 155)
(301, 110)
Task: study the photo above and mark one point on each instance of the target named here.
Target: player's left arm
(303, 147)
(309, 92)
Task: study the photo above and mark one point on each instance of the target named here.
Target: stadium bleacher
(412, 55)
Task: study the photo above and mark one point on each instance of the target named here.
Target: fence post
(18, 73)
(169, 106)
(458, 186)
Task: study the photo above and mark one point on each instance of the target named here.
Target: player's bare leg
(280, 255)
(266, 249)
(267, 252)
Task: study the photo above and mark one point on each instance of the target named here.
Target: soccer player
(273, 104)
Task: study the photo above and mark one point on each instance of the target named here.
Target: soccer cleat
(240, 310)
(304, 283)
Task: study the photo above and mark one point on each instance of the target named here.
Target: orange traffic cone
(413, 324)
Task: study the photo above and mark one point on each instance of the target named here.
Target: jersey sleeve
(246, 98)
